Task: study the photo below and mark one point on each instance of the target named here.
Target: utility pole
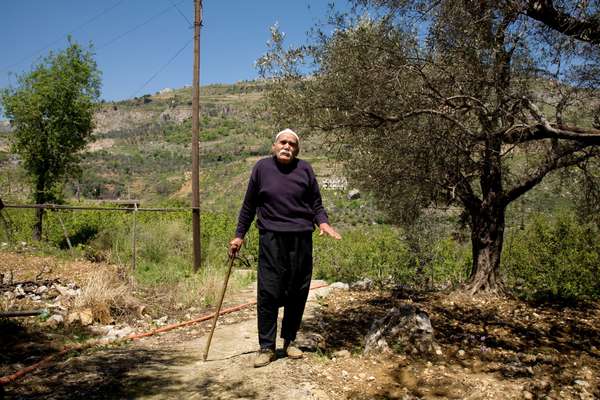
(195, 134)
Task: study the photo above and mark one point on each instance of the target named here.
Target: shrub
(554, 257)
(375, 252)
(450, 263)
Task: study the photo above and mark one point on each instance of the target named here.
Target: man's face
(286, 148)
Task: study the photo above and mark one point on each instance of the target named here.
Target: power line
(118, 37)
(161, 68)
(190, 25)
(89, 21)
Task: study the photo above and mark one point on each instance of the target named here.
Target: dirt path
(492, 348)
(171, 366)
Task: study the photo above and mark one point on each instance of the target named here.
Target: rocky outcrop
(404, 329)
(110, 119)
(176, 114)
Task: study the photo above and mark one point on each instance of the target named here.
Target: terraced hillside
(142, 151)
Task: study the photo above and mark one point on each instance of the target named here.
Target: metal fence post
(64, 231)
(133, 237)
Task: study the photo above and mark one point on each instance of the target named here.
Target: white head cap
(287, 130)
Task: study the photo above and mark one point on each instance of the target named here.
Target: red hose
(95, 342)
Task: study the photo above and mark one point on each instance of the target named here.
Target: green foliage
(370, 252)
(431, 109)
(450, 263)
(51, 110)
(554, 257)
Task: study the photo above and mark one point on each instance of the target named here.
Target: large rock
(406, 329)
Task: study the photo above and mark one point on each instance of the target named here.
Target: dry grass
(195, 293)
(107, 295)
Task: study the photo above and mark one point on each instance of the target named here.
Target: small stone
(371, 378)
(55, 320)
(67, 291)
(116, 333)
(340, 285)
(354, 194)
(363, 284)
(100, 329)
(341, 354)
(461, 353)
(345, 374)
(19, 292)
(527, 395)
(86, 317)
(42, 289)
(72, 318)
(579, 382)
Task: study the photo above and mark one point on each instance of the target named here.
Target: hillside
(142, 151)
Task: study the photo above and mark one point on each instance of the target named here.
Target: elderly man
(284, 193)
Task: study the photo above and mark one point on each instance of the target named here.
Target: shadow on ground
(545, 350)
(106, 373)
(209, 388)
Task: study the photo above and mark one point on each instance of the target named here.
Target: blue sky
(136, 39)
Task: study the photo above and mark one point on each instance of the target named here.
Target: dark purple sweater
(286, 198)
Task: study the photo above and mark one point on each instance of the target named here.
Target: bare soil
(493, 348)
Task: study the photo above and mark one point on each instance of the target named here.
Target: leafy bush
(375, 252)
(554, 257)
(450, 263)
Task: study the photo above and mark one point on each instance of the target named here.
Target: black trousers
(284, 273)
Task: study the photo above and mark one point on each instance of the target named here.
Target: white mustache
(285, 153)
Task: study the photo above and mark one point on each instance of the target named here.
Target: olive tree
(450, 102)
(51, 110)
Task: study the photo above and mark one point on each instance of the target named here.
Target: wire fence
(129, 206)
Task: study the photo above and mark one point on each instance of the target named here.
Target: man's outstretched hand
(234, 246)
(326, 229)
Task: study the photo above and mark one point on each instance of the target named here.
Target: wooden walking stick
(214, 324)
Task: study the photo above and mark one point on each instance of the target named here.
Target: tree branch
(587, 30)
(545, 130)
(522, 134)
(414, 113)
(566, 158)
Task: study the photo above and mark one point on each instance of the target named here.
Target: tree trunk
(487, 235)
(37, 227)
(39, 198)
